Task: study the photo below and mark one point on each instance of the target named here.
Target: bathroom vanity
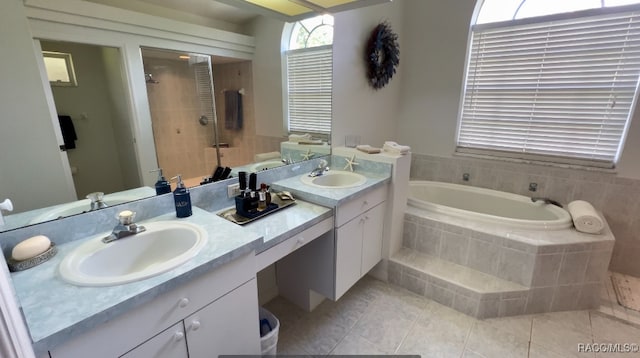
(209, 305)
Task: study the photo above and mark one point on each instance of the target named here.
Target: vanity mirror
(115, 164)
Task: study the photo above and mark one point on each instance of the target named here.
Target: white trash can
(268, 342)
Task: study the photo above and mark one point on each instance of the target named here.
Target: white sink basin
(162, 247)
(268, 164)
(335, 179)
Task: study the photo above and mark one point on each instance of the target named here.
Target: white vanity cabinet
(358, 238)
(215, 313)
(168, 344)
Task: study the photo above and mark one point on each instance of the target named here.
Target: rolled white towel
(367, 149)
(393, 147)
(299, 137)
(585, 217)
(261, 157)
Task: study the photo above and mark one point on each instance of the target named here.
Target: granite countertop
(287, 222)
(69, 310)
(331, 197)
(56, 311)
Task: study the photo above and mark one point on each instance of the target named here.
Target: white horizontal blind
(557, 90)
(309, 78)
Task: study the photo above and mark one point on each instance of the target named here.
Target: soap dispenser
(162, 185)
(182, 199)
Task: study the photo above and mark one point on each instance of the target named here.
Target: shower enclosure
(181, 101)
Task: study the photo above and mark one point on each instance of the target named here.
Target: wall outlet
(233, 190)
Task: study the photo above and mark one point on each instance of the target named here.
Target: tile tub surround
(486, 271)
(618, 198)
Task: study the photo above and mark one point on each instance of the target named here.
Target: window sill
(536, 162)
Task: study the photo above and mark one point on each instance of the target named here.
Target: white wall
(432, 80)
(31, 171)
(357, 107)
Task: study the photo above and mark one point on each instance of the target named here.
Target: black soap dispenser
(162, 185)
(182, 199)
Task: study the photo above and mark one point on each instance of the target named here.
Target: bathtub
(486, 205)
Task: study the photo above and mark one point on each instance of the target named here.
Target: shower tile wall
(244, 143)
(618, 198)
(175, 109)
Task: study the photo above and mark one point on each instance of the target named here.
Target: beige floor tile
(471, 354)
(437, 339)
(519, 326)
(493, 342)
(289, 344)
(384, 326)
(318, 334)
(536, 351)
(574, 320)
(354, 344)
(605, 328)
(561, 337)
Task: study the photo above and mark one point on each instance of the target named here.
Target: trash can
(269, 327)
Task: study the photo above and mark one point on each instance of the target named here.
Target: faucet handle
(95, 196)
(126, 217)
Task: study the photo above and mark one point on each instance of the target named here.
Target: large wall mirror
(205, 111)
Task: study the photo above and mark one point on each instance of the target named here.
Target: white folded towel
(261, 157)
(393, 147)
(368, 149)
(299, 137)
(585, 217)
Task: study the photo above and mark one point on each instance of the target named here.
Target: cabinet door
(229, 325)
(372, 238)
(348, 255)
(168, 344)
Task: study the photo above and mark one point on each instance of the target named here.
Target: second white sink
(335, 179)
(163, 246)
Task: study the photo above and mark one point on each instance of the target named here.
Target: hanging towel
(585, 217)
(68, 132)
(233, 110)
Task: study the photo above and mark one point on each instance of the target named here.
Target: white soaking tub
(486, 205)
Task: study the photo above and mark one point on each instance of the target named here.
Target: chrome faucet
(126, 227)
(323, 166)
(546, 201)
(96, 200)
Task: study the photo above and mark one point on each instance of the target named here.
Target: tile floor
(378, 318)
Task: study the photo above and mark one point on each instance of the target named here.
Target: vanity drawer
(291, 244)
(355, 207)
(109, 339)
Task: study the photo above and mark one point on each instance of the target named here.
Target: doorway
(94, 113)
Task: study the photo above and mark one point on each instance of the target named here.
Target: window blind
(309, 78)
(559, 90)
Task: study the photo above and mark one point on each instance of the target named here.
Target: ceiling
(209, 9)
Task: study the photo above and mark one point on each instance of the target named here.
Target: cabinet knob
(183, 302)
(178, 336)
(195, 325)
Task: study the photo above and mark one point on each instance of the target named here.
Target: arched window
(309, 67)
(551, 80)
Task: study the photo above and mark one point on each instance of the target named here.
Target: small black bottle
(182, 199)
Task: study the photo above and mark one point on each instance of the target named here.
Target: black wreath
(382, 56)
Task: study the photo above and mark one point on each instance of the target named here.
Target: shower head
(149, 78)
